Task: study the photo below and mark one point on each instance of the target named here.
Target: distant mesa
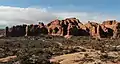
(67, 27)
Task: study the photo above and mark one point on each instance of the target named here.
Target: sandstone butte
(67, 28)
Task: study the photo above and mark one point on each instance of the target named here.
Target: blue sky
(105, 6)
(30, 11)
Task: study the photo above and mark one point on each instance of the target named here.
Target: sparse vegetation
(38, 50)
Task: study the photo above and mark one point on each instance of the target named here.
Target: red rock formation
(92, 28)
(26, 30)
(54, 28)
(34, 30)
(113, 25)
(67, 27)
(16, 31)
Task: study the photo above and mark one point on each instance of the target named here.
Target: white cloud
(16, 15)
(85, 16)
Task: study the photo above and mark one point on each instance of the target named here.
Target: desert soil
(46, 49)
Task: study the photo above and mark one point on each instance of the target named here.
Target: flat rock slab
(81, 58)
(7, 59)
